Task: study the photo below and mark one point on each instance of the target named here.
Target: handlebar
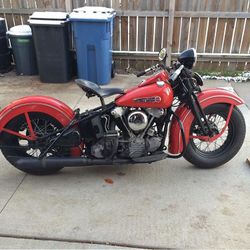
(153, 68)
(173, 76)
(141, 73)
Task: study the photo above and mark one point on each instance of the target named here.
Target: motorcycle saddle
(92, 89)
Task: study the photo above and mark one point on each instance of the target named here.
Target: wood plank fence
(218, 29)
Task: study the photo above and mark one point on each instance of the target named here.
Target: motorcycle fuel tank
(157, 95)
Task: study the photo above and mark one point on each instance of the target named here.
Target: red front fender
(206, 98)
(48, 105)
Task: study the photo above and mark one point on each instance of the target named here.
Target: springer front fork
(199, 114)
(208, 134)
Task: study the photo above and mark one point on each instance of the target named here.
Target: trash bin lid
(95, 10)
(20, 30)
(92, 13)
(49, 15)
(48, 18)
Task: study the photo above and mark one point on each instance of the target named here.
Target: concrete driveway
(168, 204)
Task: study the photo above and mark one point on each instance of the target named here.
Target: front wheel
(205, 154)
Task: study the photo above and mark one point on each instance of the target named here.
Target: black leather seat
(93, 89)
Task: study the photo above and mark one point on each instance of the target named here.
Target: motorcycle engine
(143, 139)
(141, 136)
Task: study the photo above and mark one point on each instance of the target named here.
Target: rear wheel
(205, 154)
(14, 146)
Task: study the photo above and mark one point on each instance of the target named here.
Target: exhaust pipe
(55, 162)
(31, 163)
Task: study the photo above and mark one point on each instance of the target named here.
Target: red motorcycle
(41, 135)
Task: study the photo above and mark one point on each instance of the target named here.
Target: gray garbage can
(23, 49)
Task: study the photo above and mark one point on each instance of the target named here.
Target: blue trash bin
(93, 36)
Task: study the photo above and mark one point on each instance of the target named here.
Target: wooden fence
(218, 29)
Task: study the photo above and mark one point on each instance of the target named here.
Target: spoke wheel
(217, 122)
(42, 125)
(204, 154)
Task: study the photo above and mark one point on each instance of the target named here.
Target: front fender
(48, 105)
(206, 98)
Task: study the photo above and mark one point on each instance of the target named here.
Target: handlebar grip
(174, 76)
(141, 73)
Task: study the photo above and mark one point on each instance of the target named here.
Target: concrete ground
(168, 204)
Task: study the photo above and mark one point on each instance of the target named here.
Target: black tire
(19, 149)
(235, 134)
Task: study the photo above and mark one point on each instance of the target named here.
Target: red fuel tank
(149, 96)
(161, 76)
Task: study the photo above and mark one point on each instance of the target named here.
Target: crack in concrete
(114, 244)
(5, 205)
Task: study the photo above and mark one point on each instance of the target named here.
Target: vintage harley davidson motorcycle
(41, 135)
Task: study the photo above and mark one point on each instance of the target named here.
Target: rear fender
(206, 98)
(48, 105)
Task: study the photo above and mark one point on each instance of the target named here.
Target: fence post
(68, 5)
(170, 29)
